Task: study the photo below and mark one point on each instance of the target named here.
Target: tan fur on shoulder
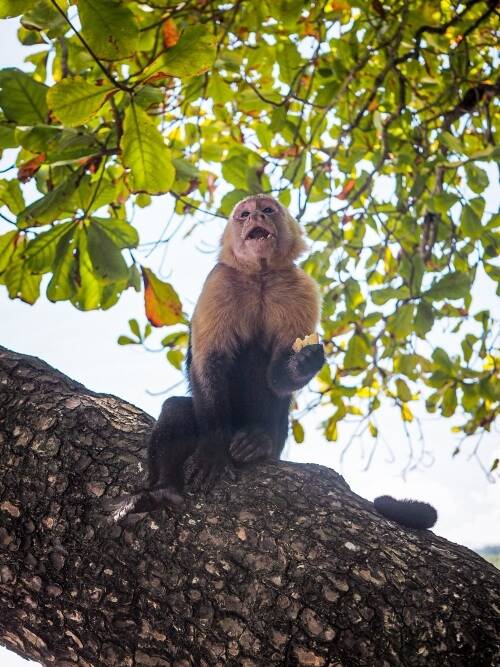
(235, 307)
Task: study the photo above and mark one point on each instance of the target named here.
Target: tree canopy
(374, 122)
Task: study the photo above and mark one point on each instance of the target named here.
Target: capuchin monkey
(242, 366)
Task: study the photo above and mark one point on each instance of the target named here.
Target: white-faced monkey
(242, 368)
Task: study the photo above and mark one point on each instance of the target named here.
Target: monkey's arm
(291, 371)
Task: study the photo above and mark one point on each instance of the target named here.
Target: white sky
(83, 345)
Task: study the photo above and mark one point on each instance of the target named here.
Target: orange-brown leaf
(29, 169)
(170, 33)
(348, 186)
(162, 304)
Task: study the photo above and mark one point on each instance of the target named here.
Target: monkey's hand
(203, 468)
(250, 445)
(304, 364)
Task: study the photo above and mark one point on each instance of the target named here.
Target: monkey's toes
(248, 446)
(201, 474)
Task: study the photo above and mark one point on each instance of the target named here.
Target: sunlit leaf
(298, 431)
(163, 306)
(193, 54)
(22, 99)
(145, 153)
(74, 101)
(454, 285)
(110, 28)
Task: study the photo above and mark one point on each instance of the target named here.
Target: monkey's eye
(268, 209)
(244, 214)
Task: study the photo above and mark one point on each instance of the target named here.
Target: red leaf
(170, 33)
(348, 186)
(27, 170)
(162, 304)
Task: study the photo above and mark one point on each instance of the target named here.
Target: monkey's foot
(307, 362)
(203, 469)
(250, 445)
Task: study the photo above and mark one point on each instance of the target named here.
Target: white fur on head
(297, 247)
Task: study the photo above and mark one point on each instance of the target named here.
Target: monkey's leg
(293, 370)
(212, 407)
(172, 441)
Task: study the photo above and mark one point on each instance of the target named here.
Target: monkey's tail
(409, 513)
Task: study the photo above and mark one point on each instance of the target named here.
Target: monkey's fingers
(310, 359)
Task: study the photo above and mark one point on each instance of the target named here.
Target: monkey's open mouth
(259, 233)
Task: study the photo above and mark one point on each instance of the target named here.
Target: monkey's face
(259, 231)
(261, 234)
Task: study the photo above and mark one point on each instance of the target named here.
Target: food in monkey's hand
(312, 339)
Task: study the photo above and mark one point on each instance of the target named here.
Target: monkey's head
(260, 235)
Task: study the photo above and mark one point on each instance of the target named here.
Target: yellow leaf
(406, 413)
(298, 431)
(331, 431)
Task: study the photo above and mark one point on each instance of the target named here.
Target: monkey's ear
(299, 244)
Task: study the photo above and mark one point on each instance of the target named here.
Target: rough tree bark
(288, 566)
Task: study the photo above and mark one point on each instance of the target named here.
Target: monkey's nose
(257, 216)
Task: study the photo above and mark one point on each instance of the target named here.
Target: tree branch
(285, 565)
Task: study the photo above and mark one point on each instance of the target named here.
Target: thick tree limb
(287, 566)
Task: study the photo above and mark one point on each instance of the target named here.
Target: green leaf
(11, 195)
(109, 27)
(47, 209)
(470, 223)
(193, 54)
(23, 99)
(381, 296)
(44, 16)
(62, 285)
(21, 283)
(7, 248)
(442, 203)
(74, 101)
(401, 323)
(120, 232)
(298, 431)
(175, 357)
(41, 251)
(451, 142)
(403, 390)
(125, 340)
(357, 350)
(452, 286)
(10, 8)
(145, 154)
(134, 328)
(442, 360)
(477, 178)
(105, 256)
(424, 319)
(449, 403)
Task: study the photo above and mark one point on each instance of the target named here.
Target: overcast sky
(83, 345)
